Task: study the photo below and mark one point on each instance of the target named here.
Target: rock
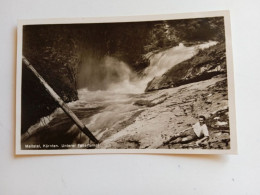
(144, 103)
(208, 102)
(220, 123)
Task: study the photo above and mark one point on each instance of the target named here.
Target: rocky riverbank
(166, 112)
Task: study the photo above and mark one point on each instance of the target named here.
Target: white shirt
(200, 130)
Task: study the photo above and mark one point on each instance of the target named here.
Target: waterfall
(111, 74)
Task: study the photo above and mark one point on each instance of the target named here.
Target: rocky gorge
(135, 93)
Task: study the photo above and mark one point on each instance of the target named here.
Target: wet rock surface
(157, 123)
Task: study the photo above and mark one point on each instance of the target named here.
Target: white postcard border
(231, 92)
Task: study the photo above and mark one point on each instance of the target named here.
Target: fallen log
(60, 102)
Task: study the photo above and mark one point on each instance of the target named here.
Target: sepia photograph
(146, 84)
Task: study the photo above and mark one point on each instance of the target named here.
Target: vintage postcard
(140, 84)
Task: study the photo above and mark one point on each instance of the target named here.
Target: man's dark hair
(201, 116)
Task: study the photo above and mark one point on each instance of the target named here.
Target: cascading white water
(163, 61)
(159, 64)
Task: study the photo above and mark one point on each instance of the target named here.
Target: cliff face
(59, 52)
(206, 64)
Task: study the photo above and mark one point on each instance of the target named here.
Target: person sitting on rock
(198, 132)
